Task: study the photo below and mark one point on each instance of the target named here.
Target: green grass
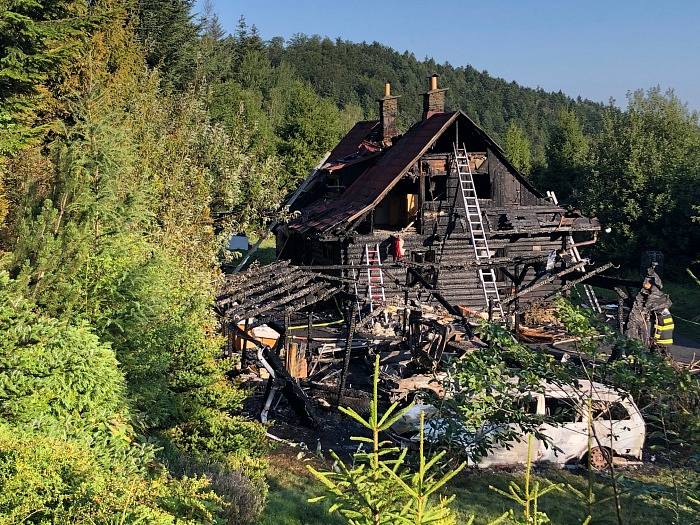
(291, 485)
(645, 502)
(266, 251)
(265, 254)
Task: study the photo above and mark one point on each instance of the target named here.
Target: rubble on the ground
(311, 339)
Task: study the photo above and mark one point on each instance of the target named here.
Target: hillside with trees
(296, 97)
(134, 138)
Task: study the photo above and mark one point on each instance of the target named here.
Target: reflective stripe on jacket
(663, 329)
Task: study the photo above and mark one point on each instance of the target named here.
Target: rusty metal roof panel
(351, 142)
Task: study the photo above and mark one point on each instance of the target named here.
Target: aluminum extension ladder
(576, 257)
(375, 278)
(476, 228)
(587, 288)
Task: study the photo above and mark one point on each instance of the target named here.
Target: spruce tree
(170, 37)
(568, 158)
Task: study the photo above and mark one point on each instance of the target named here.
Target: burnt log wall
(459, 286)
(507, 189)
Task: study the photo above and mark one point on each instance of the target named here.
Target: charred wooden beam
(368, 319)
(542, 282)
(438, 296)
(312, 299)
(298, 400)
(348, 349)
(245, 311)
(269, 284)
(609, 282)
(254, 275)
(278, 289)
(571, 284)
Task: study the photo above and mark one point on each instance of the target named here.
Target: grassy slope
(266, 251)
(291, 486)
(265, 254)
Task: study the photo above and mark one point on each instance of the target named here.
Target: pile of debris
(313, 341)
(312, 338)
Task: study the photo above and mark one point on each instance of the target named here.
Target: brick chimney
(388, 111)
(434, 99)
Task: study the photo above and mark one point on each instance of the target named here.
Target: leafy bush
(67, 451)
(488, 389)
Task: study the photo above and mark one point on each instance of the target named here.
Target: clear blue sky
(596, 49)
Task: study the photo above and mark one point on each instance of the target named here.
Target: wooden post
(285, 335)
(621, 296)
(405, 309)
(296, 362)
(348, 349)
(308, 332)
(421, 198)
(244, 350)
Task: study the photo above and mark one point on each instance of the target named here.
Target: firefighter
(663, 328)
(651, 305)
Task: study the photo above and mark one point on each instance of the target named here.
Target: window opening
(561, 410)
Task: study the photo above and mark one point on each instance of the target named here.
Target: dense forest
(134, 138)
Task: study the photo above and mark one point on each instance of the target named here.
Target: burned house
(397, 246)
(440, 204)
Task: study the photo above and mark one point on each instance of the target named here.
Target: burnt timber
(377, 186)
(384, 254)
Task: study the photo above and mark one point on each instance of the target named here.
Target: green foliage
(646, 178)
(169, 38)
(311, 128)
(518, 148)
(646, 498)
(354, 73)
(652, 379)
(56, 378)
(377, 487)
(567, 157)
(527, 497)
(111, 234)
(37, 41)
(126, 243)
(68, 453)
(488, 389)
(290, 126)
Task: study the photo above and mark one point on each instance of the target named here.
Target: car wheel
(599, 458)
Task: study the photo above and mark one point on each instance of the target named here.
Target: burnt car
(617, 428)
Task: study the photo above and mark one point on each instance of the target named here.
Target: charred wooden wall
(459, 286)
(507, 189)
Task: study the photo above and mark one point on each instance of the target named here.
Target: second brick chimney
(434, 98)
(388, 111)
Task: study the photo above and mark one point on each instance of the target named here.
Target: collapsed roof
(381, 167)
